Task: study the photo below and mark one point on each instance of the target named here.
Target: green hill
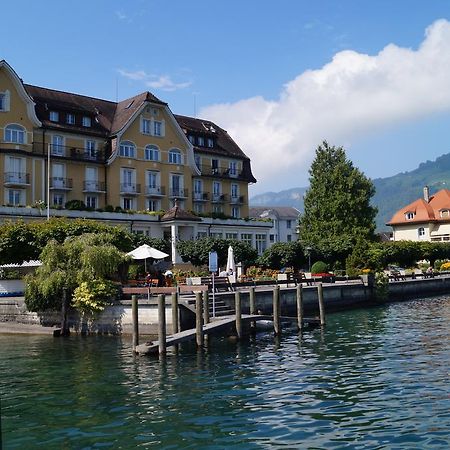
(391, 193)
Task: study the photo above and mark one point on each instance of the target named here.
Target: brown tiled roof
(423, 211)
(224, 144)
(176, 213)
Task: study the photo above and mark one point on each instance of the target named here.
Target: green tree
(337, 205)
(283, 254)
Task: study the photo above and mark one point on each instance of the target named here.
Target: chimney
(426, 194)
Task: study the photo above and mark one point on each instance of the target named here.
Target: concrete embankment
(117, 318)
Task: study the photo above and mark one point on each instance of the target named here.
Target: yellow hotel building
(134, 155)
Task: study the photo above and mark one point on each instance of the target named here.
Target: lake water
(372, 379)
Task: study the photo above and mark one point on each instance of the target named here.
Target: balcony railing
(219, 198)
(157, 191)
(178, 192)
(17, 179)
(220, 172)
(60, 183)
(130, 188)
(200, 196)
(70, 152)
(237, 199)
(94, 186)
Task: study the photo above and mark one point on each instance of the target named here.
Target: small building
(284, 222)
(425, 219)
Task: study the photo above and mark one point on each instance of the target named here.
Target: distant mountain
(391, 193)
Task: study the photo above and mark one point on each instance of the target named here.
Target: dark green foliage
(197, 252)
(160, 244)
(75, 205)
(337, 206)
(319, 267)
(109, 208)
(283, 254)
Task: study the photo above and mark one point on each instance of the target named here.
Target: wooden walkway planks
(209, 328)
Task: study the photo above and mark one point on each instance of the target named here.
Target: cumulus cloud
(353, 95)
(151, 81)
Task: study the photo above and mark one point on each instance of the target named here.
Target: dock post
(65, 306)
(135, 317)
(276, 311)
(300, 306)
(162, 324)
(175, 326)
(238, 307)
(206, 318)
(198, 319)
(321, 307)
(252, 300)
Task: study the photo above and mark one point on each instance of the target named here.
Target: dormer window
(445, 213)
(70, 119)
(209, 143)
(409, 216)
(191, 139)
(54, 116)
(201, 141)
(86, 121)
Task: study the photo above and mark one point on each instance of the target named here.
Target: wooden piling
(206, 318)
(238, 307)
(252, 301)
(300, 306)
(162, 324)
(321, 307)
(135, 319)
(276, 311)
(199, 319)
(175, 320)
(64, 308)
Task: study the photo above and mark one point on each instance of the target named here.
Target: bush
(109, 208)
(283, 254)
(75, 205)
(319, 267)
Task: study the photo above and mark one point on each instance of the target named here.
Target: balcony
(219, 198)
(74, 153)
(155, 191)
(16, 179)
(178, 193)
(218, 172)
(200, 196)
(130, 188)
(237, 200)
(60, 183)
(94, 186)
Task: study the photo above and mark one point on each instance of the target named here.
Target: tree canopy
(337, 205)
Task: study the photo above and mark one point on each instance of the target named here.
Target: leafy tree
(283, 254)
(337, 205)
(83, 265)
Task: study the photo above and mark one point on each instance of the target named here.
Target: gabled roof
(285, 212)
(176, 213)
(424, 211)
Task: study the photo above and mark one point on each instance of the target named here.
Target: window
(198, 161)
(151, 153)
(153, 205)
(261, 243)
(58, 199)
(157, 128)
(174, 156)
(234, 191)
(235, 212)
(14, 197)
(272, 238)
(209, 143)
(91, 201)
(288, 223)
(202, 234)
(54, 116)
(127, 149)
(201, 141)
(217, 209)
(127, 203)
(146, 126)
(198, 208)
(445, 213)
(216, 190)
(4, 101)
(70, 119)
(409, 215)
(214, 166)
(86, 121)
(198, 189)
(289, 238)
(233, 168)
(233, 236)
(90, 148)
(176, 186)
(421, 232)
(57, 145)
(15, 133)
(216, 235)
(247, 238)
(191, 139)
(128, 181)
(153, 183)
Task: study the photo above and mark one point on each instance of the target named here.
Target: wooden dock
(214, 327)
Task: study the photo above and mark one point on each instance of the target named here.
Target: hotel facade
(134, 156)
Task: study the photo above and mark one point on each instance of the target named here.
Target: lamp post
(308, 252)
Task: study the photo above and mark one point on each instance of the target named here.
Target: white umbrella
(145, 251)
(231, 266)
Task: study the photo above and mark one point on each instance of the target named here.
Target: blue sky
(279, 76)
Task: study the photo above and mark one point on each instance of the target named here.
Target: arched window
(152, 153)
(409, 216)
(15, 133)
(127, 149)
(445, 213)
(175, 156)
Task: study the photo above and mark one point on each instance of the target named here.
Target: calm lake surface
(373, 379)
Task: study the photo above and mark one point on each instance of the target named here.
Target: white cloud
(161, 82)
(353, 95)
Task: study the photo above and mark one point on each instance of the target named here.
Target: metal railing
(219, 198)
(61, 183)
(94, 186)
(130, 188)
(155, 190)
(17, 178)
(200, 196)
(65, 151)
(178, 192)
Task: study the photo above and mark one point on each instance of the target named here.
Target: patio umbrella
(231, 266)
(145, 251)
